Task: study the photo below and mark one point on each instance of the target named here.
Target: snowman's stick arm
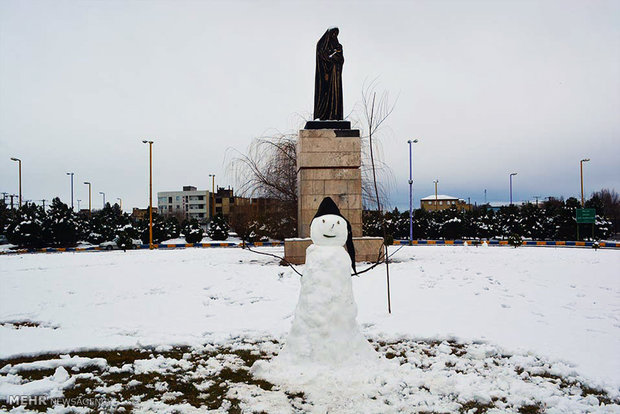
(378, 262)
(245, 246)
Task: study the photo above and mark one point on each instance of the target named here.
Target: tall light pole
(414, 141)
(103, 194)
(581, 168)
(436, 182)
(89, 196)
(511, 174)
(79, 204)
(150, 192)
(120, 203)
(20, 179)
(71, 174)
(212, 209)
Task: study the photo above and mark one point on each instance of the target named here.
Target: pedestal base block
(367, 249)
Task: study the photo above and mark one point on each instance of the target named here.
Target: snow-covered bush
(26, 227)
(60, 226)
(515, 240)
(218, 229)
(192, 231)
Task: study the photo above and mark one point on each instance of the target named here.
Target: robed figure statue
(328, 80)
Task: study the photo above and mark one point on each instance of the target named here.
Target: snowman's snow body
(324, 331)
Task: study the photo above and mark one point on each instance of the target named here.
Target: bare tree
(376, 112)
(269, 170)
(373, 165)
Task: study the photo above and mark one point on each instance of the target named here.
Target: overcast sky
(488, 88)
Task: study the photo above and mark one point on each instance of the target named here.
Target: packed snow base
(420, 376)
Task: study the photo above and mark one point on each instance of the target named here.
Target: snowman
(324, 332)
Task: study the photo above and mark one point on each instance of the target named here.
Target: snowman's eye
(323, 220)
(338, 222)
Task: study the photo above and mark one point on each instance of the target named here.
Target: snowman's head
(329, 230)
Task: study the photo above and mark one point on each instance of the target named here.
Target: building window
(218, 200)
(169, 200)
(218, 209)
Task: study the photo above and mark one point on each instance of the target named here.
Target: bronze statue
(328, 78)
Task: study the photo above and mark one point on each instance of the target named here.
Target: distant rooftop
(439, 197)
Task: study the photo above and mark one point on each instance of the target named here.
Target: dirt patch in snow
(430, 377)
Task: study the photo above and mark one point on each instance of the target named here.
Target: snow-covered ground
(559, 304)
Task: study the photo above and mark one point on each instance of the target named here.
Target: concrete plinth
(328, 165)
(367, 249)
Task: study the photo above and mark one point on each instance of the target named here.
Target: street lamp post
(581, 168)
(20, 179)
(212, 209)
(120, 203)
(150, 192)
(89, 196)
(79, 204)
(411, 191)
(511, 174)
(103, 194)
(436, 204)
(71, 174)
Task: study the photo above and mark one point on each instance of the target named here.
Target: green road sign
(586, 215)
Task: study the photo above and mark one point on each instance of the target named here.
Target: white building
(191, 203)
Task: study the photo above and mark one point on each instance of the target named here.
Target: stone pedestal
(367, 249)
(328, 165)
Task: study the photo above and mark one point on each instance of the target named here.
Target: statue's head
(332, 32)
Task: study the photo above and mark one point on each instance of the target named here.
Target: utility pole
(43, 201)
(79, 204)
(12, 196)
(71, 174)
(537, 197)
(150, 192)
(485, 196)
(89, 197)
(511, 175)
(411, 192)
(212, 194)
(581, 168)
(20, 178)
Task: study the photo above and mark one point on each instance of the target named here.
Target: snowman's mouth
(328, 236)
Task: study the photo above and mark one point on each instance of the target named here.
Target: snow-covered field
(559, 305)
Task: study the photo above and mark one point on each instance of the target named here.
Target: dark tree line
(552, 220)
(59, 226)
